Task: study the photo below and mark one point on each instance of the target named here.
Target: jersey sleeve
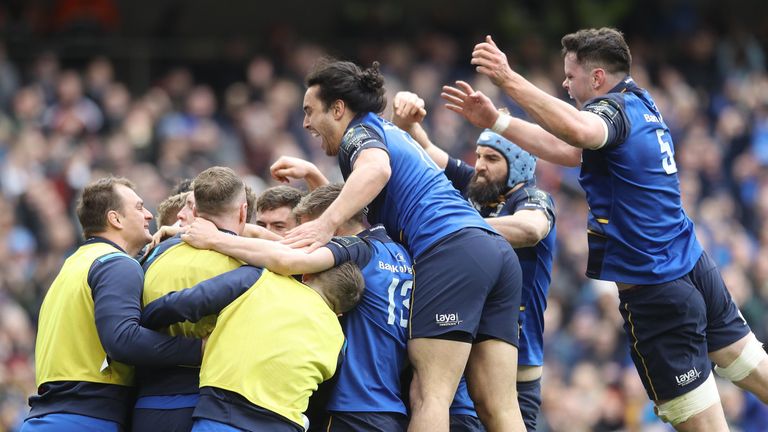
(355, 140)
(116, 286)
(610, 108)
(207, 297)
(536, 199)
(351, 248)
(459, 173)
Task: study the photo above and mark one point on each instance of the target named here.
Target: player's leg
(529, 399)
(744, 362)
(437, 367)
(449, 293)
(739, 356)
(491, 380)
(492, 367)
(666, 325)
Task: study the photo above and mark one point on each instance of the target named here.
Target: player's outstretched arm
(408, 113)
(479, 110)
(272, 255)
(580, 129)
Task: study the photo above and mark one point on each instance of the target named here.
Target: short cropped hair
(604, 47)
(342, 285)
(361, 90)
(278, 196)
(316, 202)
(170, 207)
(218, 190)
(98, 199)
(250, 199)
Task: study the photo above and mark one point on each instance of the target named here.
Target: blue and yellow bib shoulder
(274, 345)
(179, 267)
(68, 346)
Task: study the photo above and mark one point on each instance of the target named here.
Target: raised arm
(479, 110)
(275, 256)
(408, 113)
(580, 129)
(288, 167)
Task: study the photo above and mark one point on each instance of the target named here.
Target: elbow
(383, 172)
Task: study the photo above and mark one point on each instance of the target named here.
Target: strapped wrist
(502, 123)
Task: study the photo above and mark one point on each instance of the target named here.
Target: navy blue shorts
(366, 421)
(465, 423)
(469, 283)
(672, 326)
(529, 399)
(162, 420)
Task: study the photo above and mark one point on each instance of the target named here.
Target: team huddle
(410, 297)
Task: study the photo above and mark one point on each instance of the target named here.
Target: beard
(485, 192)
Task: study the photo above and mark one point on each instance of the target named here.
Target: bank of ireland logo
(447, 319)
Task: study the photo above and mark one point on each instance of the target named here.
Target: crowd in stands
(62, 127)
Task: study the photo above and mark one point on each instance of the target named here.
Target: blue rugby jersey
(418, 205)
(369, 377)
(637, 229)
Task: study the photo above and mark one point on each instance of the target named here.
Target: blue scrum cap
(522, 164)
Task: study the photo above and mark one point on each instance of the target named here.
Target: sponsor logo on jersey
(395, 268)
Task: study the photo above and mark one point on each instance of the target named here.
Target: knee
(748, 360)
(682, 408)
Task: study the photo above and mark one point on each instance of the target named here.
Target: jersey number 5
(666, 149)
(404, 290)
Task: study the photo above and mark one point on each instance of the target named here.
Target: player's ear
(338, 108)
(598, 77)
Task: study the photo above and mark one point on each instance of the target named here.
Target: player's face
(578, 80)
(134, 218)
(491, 167)
(319, 121)
(186, 215)
(279, 220)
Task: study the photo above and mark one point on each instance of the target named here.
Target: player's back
(369, 377)
(418, 206)
(176, 266)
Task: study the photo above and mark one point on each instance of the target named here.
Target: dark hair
(342, 285)
(278, 196)
(604, 47)
(184, 185)
(98, 199)
(316, 202)
(217, 190)
(361, 90)
(169, 208)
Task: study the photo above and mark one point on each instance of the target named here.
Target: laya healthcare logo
(688, 377)
(445, 320)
